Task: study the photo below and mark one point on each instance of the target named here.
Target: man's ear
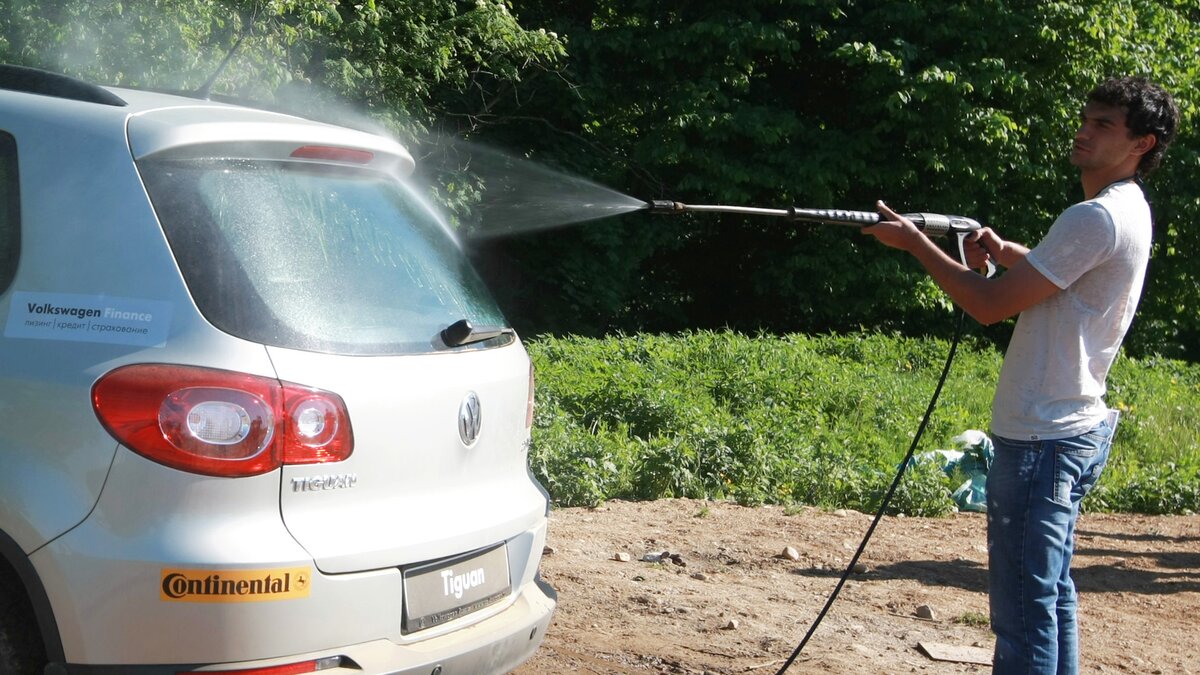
(1144, 144)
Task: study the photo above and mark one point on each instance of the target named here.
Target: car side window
(10, 210)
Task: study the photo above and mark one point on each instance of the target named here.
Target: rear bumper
(497, 644)
(110, 588)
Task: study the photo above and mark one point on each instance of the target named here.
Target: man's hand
(894, 229)
(984, 244)
(981, 247)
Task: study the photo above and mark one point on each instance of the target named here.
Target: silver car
(259, 415)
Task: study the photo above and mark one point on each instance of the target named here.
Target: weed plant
(816, 420)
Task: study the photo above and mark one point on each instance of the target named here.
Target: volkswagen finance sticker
(88, 318)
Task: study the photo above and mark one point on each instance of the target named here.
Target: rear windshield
(315, 257)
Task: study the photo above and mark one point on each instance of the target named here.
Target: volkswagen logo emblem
(470, 419)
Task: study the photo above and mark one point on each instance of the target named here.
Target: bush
(816, 420)
(1155, 490)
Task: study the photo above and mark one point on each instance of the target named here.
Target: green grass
(975, 619)
(815, 420)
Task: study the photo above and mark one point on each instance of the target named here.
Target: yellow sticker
(235, 585)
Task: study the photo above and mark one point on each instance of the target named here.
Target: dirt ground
(724, 600)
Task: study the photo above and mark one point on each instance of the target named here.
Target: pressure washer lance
(931, 224)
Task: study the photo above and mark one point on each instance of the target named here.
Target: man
(1076, 293)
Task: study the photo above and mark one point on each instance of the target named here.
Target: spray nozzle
(664, 206)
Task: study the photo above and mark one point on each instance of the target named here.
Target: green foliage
(1154, 489)
(580, 466)
(1155, 467)
(403, 64)
(973, 619)
(720, 415)
(1157, 398)
(924, 491)
(820, 420)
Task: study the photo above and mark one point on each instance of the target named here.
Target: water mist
(520, 196)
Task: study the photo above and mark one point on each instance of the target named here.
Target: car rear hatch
(305, 238)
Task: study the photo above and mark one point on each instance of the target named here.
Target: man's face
(1103, 140)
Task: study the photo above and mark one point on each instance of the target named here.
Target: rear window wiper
(463, 332)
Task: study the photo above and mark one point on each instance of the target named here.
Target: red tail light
(220, 423)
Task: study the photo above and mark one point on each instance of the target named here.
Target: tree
(402, 64)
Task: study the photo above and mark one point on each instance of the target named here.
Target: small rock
(732, 625)
(790, 553)
(699, 576)
(622, 557)
(925, 612)
(652, 557)
(860, 568)
(549, 550)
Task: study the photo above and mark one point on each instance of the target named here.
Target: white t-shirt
(1052, 383)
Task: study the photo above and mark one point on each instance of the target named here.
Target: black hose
(887, 498)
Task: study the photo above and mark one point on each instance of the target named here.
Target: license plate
(448, 589)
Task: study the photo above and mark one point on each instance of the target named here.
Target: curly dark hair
(1149, 109)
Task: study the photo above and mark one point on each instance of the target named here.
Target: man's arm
(986, 300)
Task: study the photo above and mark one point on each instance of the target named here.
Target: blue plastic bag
(971, 458)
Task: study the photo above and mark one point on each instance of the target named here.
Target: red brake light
(330, 153)
(220, 423)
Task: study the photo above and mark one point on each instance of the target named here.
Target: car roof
(171, 125)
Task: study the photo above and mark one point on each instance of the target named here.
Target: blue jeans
(1033, 493)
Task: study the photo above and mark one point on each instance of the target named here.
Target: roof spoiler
(46, 83)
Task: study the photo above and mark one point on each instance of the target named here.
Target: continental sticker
(88, 318)
(286, 583)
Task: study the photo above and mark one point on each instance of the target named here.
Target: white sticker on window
(88, 318)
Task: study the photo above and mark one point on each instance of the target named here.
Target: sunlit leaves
(407, 63)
